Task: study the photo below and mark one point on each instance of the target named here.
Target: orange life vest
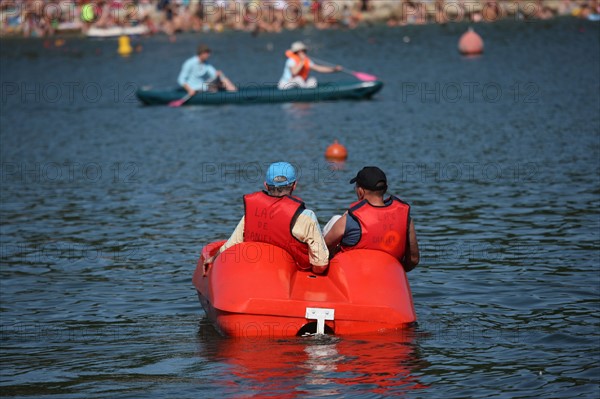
(304, 72)
(384, 228)
(271, 219)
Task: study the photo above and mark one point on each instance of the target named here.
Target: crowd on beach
(39, 18)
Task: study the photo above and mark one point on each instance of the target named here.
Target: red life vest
(384, 228)
(271, 219)
(305, 69)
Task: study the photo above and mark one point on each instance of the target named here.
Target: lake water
(105, 206)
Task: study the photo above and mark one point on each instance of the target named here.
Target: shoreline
(59, 39)
(255, 17)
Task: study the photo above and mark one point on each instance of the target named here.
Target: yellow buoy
(124, 45)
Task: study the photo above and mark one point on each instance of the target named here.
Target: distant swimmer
(298, 66)
(198, 75)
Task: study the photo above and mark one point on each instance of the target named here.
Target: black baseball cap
(371, 178)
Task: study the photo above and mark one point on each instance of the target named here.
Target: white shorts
(297, 81)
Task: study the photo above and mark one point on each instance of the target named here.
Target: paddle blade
(177, 103)
(365, 77)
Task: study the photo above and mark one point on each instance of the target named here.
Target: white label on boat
(320, 314)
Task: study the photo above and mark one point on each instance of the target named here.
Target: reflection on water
(319, 366)
(298, 111)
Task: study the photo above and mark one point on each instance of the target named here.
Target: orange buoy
(336, 152)
(470, 43)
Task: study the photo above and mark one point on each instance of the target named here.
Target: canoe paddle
(365, 77)
(179, 103)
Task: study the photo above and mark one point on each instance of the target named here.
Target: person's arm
(184, 75)
(228, 84)
(325, 69)
(189, 89)
(411, 257)
(212, 73)
(296, 67)
(334, 236)
(237, 237)
(220, 76)
(307, 230)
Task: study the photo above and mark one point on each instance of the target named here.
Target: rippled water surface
(105, 205)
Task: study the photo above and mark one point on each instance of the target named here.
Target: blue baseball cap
(280, 174)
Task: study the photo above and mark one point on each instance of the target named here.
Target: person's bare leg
(229, 86)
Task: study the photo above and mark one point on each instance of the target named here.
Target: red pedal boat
(255, 290)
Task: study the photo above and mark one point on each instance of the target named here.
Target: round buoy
(87, 13)
(124, 45)
(470, 43)
(336, 152)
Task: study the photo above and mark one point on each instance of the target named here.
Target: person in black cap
(373, 222)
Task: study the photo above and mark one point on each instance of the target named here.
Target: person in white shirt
(198, 75)
(298, 67)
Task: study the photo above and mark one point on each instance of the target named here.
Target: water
(105, 206)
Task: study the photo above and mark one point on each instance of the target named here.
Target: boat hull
(255, 290)
(116, 31)
(260, 94)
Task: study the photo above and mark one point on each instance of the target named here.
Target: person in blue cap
(276, 217)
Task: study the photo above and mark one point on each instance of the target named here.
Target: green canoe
(254, 94)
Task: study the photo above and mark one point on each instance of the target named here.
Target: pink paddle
(179, 103)
(365, 77)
